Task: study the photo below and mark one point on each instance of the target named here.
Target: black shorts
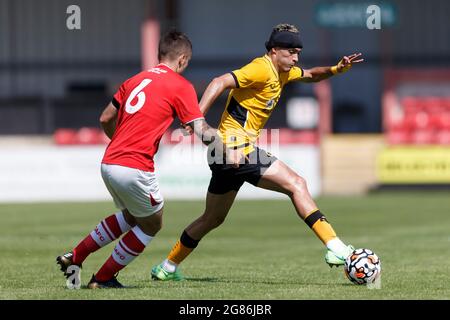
(226, 178)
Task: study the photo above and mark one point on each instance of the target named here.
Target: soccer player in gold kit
(255, 91)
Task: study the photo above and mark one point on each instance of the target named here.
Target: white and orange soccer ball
(362, 266)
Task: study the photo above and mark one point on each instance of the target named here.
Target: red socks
(106, 231)
(128, 248)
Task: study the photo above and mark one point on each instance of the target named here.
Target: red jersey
(147, 104)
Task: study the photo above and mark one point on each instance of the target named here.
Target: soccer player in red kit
(140, 112)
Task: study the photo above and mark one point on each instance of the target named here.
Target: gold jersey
(249, 105)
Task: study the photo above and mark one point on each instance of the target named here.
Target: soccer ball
(362, 266)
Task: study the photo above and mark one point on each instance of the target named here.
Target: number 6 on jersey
(129, 108)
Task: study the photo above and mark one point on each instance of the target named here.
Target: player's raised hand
(348, 61)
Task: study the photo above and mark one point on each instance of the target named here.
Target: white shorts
(133, 189)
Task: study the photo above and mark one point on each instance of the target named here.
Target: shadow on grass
(85, 287)
(208, 279)
(267, 282)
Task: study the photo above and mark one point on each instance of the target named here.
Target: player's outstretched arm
(203, 130)
(320, 73)
(108, 120)
(215, 88)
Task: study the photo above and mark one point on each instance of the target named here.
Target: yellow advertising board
(414, 165)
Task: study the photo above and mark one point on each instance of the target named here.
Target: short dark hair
(285, 27)
(284, 35)
(173, 44)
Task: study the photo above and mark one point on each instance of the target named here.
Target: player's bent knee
(152, 224)
(298, 185)
(151, 229)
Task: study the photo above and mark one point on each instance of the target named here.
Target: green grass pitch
(262, 251)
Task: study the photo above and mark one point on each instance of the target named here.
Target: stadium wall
(349, 163)
(36, 170)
